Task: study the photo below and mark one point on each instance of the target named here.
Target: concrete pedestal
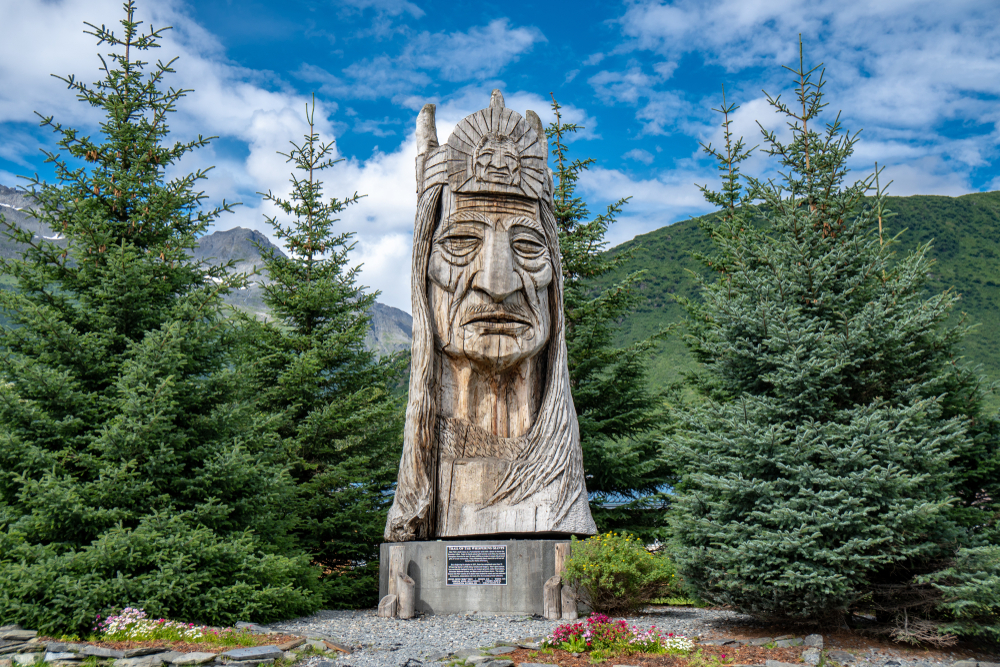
(529, 564)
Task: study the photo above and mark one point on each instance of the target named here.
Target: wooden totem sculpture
(492, 445)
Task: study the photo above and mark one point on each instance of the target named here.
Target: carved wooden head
(491, 257)
(488, 279)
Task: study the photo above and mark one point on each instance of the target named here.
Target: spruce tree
(621, 417)
(129, 472)
(330, 398)
(840, 447)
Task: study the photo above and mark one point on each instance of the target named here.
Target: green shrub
(971, 590)
(616, 574)
(164, 566)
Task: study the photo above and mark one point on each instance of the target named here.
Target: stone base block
(530, 563)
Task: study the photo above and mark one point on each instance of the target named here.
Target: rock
(714, 642)
(989, 664)
(811, 656)
(778, 663)
(253, 627)
(149, 650)
(8, 628)
(435, 657)
(788, 643)
(18, 635)
(501, 650)
(318, 645)
(197, 658)
(27, 658)
(12, 647)
(102, 652)
(149, 660)
(6, 663)
(499, 663)
(964, 663)
(257, 653)
(814, 640)
(295, 643)
(893, 663)
(778, 639)
(467, 652)
(843, 657)
(63, 647)
(51, 657)
(478, 659)
(759, 641)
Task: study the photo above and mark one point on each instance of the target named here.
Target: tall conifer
(331, 399)
(620, 415)
(129, 472)
(841, 447)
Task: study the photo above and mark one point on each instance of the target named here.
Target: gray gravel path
(393, 642)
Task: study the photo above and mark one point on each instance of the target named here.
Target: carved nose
(497, 278)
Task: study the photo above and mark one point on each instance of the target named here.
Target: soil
(740, 655)
(186, 647)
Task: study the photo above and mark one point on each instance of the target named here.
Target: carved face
(489, 275)
(495, 161)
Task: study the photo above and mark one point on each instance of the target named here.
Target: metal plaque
(477, 565)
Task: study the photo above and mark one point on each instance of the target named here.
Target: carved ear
(427, 137)
(536, 122)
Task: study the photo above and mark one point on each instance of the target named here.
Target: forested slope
(965, 236)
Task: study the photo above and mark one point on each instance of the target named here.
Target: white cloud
(476, 54)
(668, 197)
(907, 71)
(639, 155)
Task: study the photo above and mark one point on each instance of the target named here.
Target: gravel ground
(392, 642)
(380, 642)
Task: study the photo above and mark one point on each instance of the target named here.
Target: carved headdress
(494, 153)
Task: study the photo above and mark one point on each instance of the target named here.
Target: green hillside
(965, 232)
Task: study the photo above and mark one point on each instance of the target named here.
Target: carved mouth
(497, 322)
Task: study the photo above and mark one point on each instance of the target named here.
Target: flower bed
(133, 625)
(603, 637)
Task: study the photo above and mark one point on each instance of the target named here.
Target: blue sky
(921, 78)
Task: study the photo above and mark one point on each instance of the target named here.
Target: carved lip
(497, 322)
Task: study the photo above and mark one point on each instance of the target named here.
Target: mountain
(391, 328)
(964, 233)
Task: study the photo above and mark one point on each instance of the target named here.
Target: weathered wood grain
(552, 599)
(491, 442)
(387, 607)
(569, 608)
(405, 596)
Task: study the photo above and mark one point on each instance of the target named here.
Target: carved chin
(498, 345)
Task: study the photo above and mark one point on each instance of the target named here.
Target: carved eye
(527, 246)
(460, 246)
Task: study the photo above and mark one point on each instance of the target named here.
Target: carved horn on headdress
(427, 140)
(535, 122)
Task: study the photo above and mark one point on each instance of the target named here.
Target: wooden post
(569, 612)
(552, 598)
(397, 566)
(405, 596)
(387, 607)
(563, 552)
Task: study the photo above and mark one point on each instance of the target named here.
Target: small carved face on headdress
(489, 273)
(496, 160)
